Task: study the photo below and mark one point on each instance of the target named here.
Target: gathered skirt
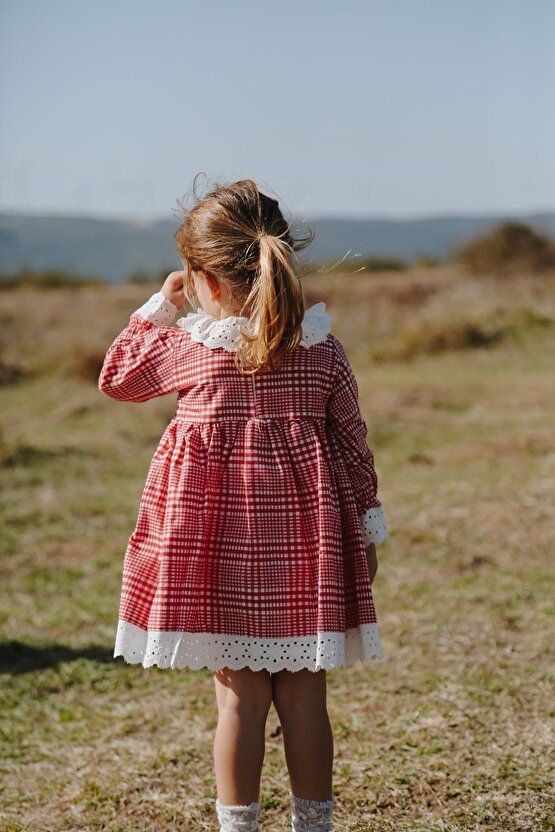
(248, 551)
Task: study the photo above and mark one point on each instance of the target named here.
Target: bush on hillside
(383, 264)
(425, 261)
(10, 373)
(141, 277)
(482, 328)
(510, 248)
(47, 279)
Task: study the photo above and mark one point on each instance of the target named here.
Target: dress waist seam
(299, 418)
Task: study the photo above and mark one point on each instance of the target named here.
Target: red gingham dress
(249, 546)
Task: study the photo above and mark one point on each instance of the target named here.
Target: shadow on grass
(16, 657)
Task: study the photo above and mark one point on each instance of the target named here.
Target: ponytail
(239, 235)
(277, 307)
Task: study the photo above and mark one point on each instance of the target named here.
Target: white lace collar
(224, 332)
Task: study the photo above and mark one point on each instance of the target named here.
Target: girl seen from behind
(254, 552)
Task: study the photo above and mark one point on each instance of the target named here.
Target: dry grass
(452, 732)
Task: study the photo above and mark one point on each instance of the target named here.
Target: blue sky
(384, 109)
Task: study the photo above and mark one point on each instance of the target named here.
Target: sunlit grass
(451, 733)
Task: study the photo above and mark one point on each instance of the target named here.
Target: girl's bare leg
(244, 698)
(300, 700)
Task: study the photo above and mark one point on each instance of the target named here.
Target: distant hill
(114, 249)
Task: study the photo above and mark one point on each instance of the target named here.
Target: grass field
(453, 731)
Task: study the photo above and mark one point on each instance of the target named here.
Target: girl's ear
(211, 279)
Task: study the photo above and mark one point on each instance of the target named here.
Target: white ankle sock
(311, 815)
(238, 818)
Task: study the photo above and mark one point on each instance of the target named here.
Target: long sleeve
(349, 432)
(139, 365)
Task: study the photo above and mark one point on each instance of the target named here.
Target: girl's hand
(372, 559)
(173, 288)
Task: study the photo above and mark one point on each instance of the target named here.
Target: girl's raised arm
(348, 432)
(139, 365)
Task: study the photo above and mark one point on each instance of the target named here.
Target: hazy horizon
(140, 220)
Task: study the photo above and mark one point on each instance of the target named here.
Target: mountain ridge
(114, 248)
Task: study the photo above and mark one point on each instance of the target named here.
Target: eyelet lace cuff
(158, 310)
(374, 526)
(311, 815)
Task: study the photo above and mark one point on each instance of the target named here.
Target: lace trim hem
(177, 650)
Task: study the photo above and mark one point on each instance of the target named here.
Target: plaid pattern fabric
(250, 519)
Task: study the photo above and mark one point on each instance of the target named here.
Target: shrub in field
(10, 372)
(510, 248)
(80, 360)
(425, 262)
(88, 363)
(141, 277)
(484, 330)
(383, 264)
(47, 279)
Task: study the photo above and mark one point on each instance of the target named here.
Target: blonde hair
(239, 235)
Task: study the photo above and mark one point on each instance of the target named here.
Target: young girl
(254, 549)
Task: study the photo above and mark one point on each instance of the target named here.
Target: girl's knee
(244, 690)
(299, 692)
